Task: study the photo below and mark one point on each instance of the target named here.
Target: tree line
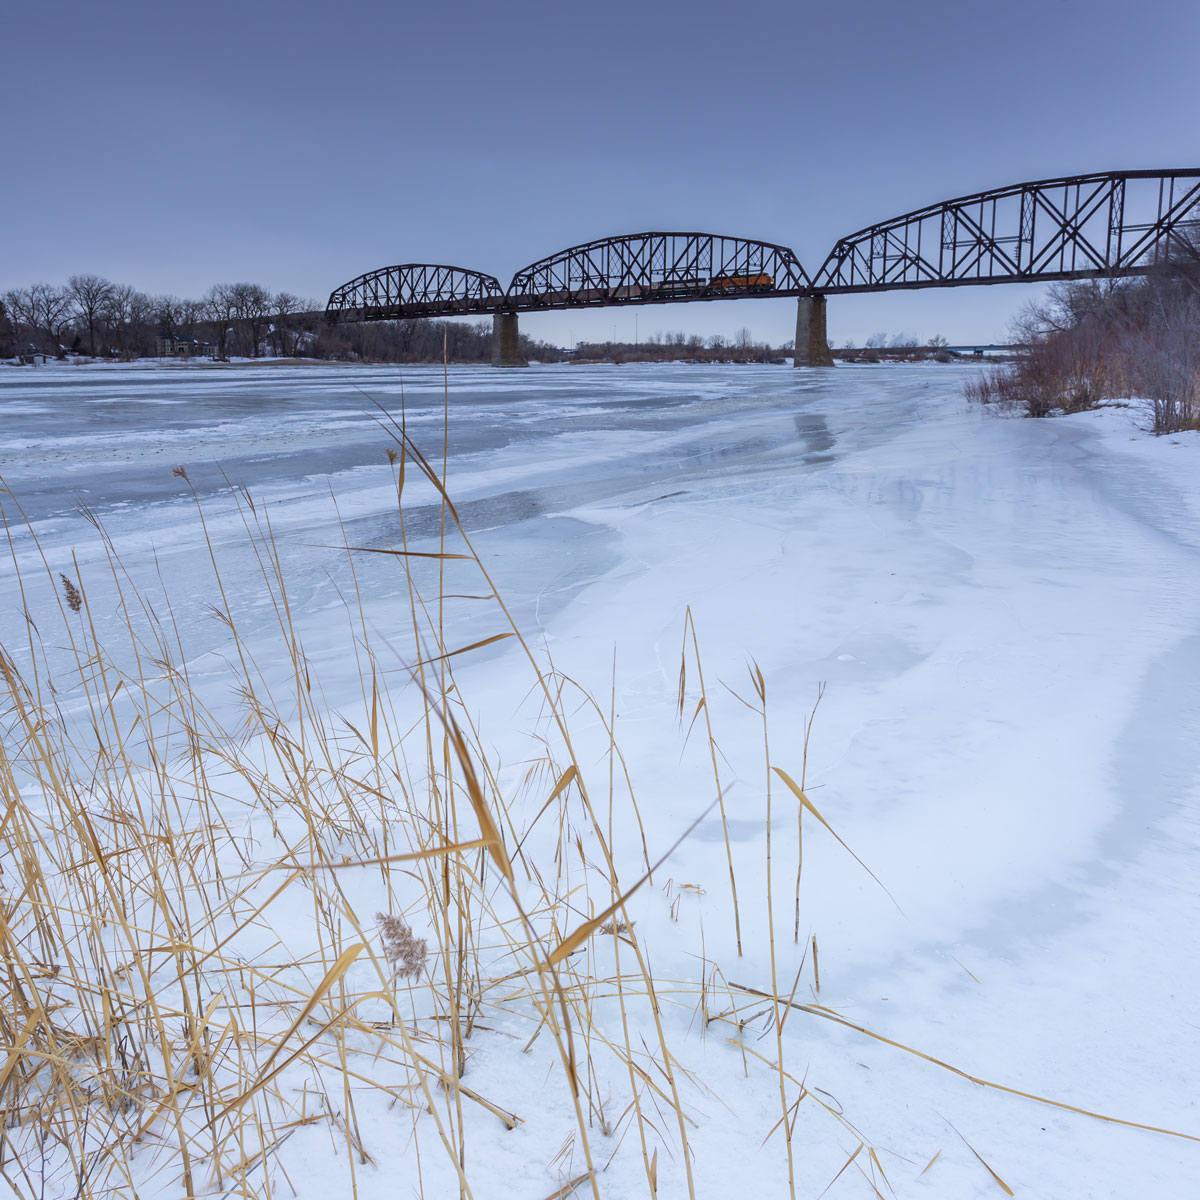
(93, 316)
(676, 345)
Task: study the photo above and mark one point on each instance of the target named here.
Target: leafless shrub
(1000, 386)
(1076, 357)
(1101, 339)
(1162, 365)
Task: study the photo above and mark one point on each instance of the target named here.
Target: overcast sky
(299, 144)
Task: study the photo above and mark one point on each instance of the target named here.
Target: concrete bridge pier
(812, 341)
(506, 342)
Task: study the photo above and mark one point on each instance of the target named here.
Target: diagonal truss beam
(657, 268)
(1077, 227)
(415, 290)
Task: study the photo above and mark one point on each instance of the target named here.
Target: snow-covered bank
(1003, 612)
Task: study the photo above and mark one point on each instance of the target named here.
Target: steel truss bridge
(1079, 227)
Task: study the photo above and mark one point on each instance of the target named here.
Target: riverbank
(1001, 613)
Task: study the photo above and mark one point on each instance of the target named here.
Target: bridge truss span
(1077, 227)
(657, 268)
(416, 290)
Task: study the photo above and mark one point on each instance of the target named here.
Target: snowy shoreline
(1004, 615)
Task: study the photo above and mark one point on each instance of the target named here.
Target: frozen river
(1004, 613)
(526, 453)
(523, 452)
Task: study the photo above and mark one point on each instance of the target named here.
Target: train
(743, 283)
(679, 287)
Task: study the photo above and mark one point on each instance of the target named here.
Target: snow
(1003, 613)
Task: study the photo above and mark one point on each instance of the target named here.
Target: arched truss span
(1084, 226)
(415, 290)
(657, 268)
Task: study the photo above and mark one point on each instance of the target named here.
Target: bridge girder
(657, 268)
(415, 290)
(1077, 227)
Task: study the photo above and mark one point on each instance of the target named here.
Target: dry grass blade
(436, 658)
(798, 792)
(393, 553)
(565, 780)
(573, 941)
(483, 814)
(829, 1015)
(14, 1054)
(386, 859)
(568, 1188)
(986, 1166)
(334, 973)
(845, 1167)
(510, 1120)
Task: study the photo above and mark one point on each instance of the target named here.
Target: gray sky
(299, 144)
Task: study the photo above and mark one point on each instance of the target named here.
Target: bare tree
(16, 309)
(127, 311)
(252, 307)
(168, 311)
(190, 314)
(286, 306)
(7, 332)
(90, 295)
(43, 309)
(1067, 305)
(141, 321)
(219, 308)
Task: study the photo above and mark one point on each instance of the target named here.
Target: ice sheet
(1004, 613)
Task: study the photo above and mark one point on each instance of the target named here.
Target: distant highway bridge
(1078, 227)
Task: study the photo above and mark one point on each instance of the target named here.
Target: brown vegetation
(1098, 340)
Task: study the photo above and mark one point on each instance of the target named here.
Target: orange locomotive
(743, 283)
